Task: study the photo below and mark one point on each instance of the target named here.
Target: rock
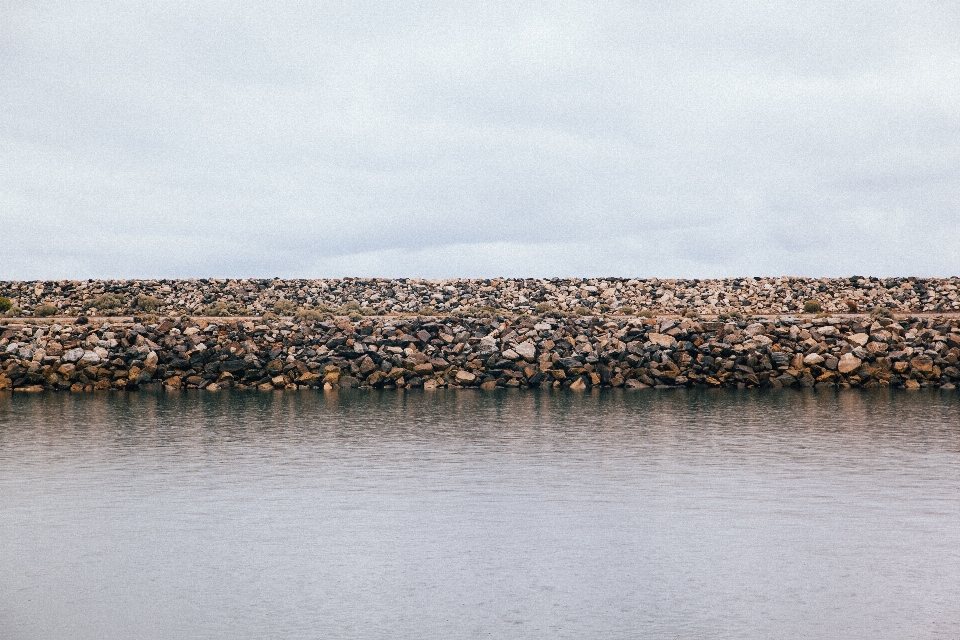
(848, 363)
(510, 354)
(923, 364)
(662, 340)
(90, 357)
(424, 369)
(72, 355)
(488, 345)
(151, 360)
(465, 376)
(489, 385)
(213, 386)
(578, 385)
(911, 384)
(858, 339)
(526, 350)
(349, 382)
(813, 358)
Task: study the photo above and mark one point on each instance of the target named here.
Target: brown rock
(923, 364)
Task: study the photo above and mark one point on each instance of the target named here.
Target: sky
(479, 139)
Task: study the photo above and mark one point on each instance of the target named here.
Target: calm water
(466, 514)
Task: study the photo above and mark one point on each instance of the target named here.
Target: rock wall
(406, 352)
(220, 297)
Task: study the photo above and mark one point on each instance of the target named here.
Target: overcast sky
(441, 139)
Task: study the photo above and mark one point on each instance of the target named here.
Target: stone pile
(374, 296)
(521, 352)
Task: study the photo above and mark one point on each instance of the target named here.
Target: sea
(469, 514)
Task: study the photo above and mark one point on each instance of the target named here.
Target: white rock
(90, 356)
(813, 358)
(662, 339)
(858, 339)
(526, 350)
(848, 362)
(510, 354)
(73, 355)
(488, 344)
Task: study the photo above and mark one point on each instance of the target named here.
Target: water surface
(466, 514)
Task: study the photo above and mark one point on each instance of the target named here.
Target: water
(474, 515)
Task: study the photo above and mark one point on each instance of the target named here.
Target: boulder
(526, 350)
(848, 363)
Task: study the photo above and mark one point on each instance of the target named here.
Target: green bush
(5, 304)
(543, 308)
(45, 310)
(881, 312)
(428, 311)
(582, 311)
(105, 302)
(270, 316)
(284, 307)
(627, 311)
(146, 303)
(812, 306)
(644, 313)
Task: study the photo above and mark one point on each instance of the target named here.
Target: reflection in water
(469, 514)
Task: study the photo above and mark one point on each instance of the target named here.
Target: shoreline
(567, 352)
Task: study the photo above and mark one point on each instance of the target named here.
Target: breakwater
(575, 352)
(578, 296)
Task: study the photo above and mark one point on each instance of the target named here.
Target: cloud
(438, 139)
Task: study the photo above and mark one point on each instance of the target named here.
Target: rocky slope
(609, 296)
(429, 352)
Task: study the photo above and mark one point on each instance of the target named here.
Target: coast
(454, 351)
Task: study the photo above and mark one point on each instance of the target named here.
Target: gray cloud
(669, 139)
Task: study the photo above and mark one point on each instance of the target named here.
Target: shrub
(881, 312)
(105, 302)
(604, 307)
(147, 319)
(146, 303)
(644, 313)
(428, 311)
(812, 306)
(270, 316)
(582, 311)
(852, 306)
(220, 308)
(5, 304)
(284, 307)
(311, 315)
(627, 311)
(543, 308)
(45, 310)
(349, 308)
(368, 311)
